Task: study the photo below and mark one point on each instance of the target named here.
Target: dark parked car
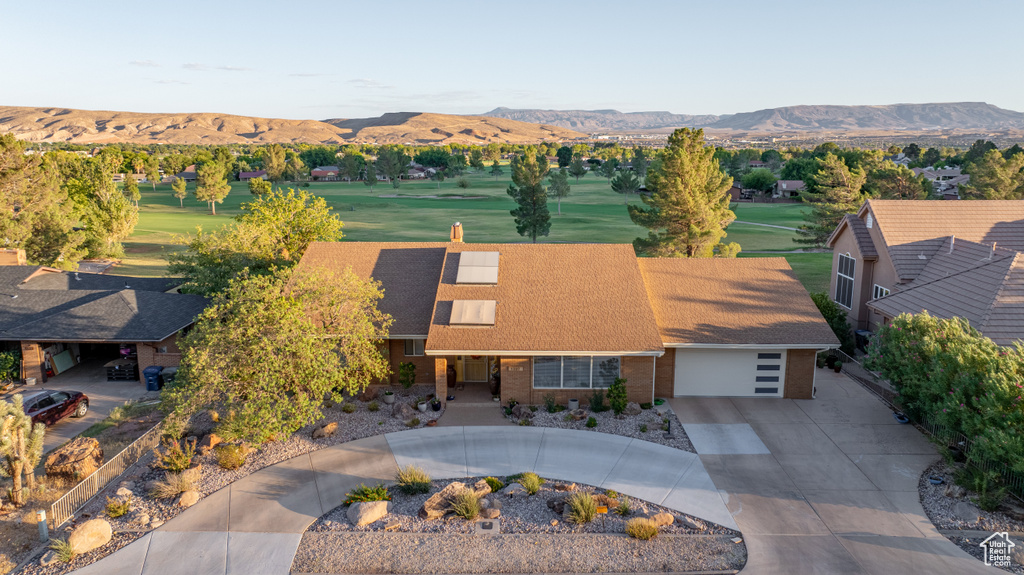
(48, 406)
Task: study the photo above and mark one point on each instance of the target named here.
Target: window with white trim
(879, 291)
(574, 372)
(414, 347)
(844, 280)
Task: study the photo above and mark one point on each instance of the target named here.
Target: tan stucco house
(564, 319)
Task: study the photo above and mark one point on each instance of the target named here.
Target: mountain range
(894, 117)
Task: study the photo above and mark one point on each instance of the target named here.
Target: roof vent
(473, 312)
(952, 240)
(478, 268)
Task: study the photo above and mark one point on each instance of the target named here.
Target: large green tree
(370, 176)
(688, 208)
(271, 349)
(893, 182)
(274, 162)
(527, 189)
(393, 163)
(836, 192)
(760, 179)
(641, 161)
(130, 188)
(351, 166)
(212, 184)
(995, 178)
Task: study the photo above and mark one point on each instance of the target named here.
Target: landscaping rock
(564, 487)
(208, 443)
(439, 503)
(966, 512)
(490, 513)
(632, 408)
(188, 498)
(325, 430)
(141, 519)
(48, 558)
(75, 460)
(403, 411)
(513, 489)
(366, 512)
(485, 503)
(955, 491)
(557, 505)
(392, 526)
(577, 414)
(695, 524)
(90, 535)
(123, 493)
(663, 519)
(521, 411)
(156, 523)
(495, 504)
(608, 502)
(368, 394)
(481, 488)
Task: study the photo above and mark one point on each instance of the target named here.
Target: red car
(48, 407)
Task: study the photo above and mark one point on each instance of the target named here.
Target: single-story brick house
(60, 319)
(564, 319)
(246, 176)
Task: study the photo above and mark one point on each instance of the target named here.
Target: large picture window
(844, 281)
(574, 372)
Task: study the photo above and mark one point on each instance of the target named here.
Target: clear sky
(340, 59)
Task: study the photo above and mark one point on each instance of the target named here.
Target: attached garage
(729, 372)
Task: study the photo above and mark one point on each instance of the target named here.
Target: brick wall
(665, 374)
(639, 372)
(424, 364)
(150, 354)
(799, 373)
(440, 379)
(517, 382)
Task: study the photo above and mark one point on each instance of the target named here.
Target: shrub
(462, 182)
(466, 504)
(612, 493)
(406, 374)
(549, 403)
(175, 457)
(617, 396)
(412, 480)
(597, 402)
(987, 484)
(591, 422)
(412, 422)
(533, 408)
(172, 485)
(641, 528)
(624, 509)
(65, 551)
(836, 319)
(524, 422)
(373, 406)
(567, 417)
(582, 508)
(530, 481)
(349, 408)
(230, 456)
(643, 428)
(363, 493)
(10, 365)
(116, 508)
(495, 484)
(647, 405)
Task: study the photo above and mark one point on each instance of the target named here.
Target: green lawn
(423, 212)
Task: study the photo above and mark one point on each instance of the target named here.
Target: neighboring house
(188, 174)
(325, 174)
(417, 173)
(246, 176)
(60, 319)
(754, 164)
(946, 182)
(899, 159)
(565, 319)
(118, 178)
(958, 259)
(738, 194)
(788, 188)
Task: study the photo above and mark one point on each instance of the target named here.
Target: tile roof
(860, 233)
(742, 301)
(913, 231)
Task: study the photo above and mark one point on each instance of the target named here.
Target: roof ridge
(1002, 286)
(911, 288)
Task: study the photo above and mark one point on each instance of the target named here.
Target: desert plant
(567, 417)
(363, 493)
(64, 550)
(230, 456)
(530, 481)
(643, 428)
(624, 509)
(987, 485)
(524, 422)
(612, 493)
(406, 374)
(373, 406)
(549, 402)
(412, 422)
(173, 484)
(495, 484)
(412, 480)
(646, 405)
(617, 396)
(176, 455)
(597, 402)
(641, 528)
(21, 447)
(466, 504)
(591, 422)
(582, 508)
(349, 408)
(116, 508)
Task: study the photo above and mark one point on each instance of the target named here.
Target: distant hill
(88, 126)
(904, 117)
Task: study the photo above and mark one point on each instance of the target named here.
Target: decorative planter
(935, 479)
(659, 401)
(389, 397)
(838, 367)
(830, 361)
(901, 417)
(574, 404)
(432, 423)
(422, 406)
(435, 405)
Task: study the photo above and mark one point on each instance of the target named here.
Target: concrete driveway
(827, 485)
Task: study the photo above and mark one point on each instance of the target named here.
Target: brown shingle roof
(408, 273)
(912, 229)
(748, 301)
(572, 298)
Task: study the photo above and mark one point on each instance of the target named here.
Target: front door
(474, 368)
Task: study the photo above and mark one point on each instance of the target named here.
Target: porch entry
(474, 368)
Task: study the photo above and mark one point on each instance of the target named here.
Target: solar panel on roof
(472, 312)
(477, 268)
(479, 259)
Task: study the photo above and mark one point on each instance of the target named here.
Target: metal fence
(65, 508)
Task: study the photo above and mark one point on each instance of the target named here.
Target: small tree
(760, 179)
(577, 168)
(179, 186)
(212, 184)
(370, 176)
(559, 186)
(438, 177)
(625, 183)
(609, 168)
(153, 171)
(259, 186)
(496, 170)
(618, 398)
(21, 446)
(131, 189)
(532, 216)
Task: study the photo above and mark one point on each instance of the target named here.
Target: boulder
(495, 504)
(608, 502)
(440, 503)
(368, 394)
(75, 460)
(48, 558)
(966, 512)
(490, 513)
(123, 493)
(565, 487)
(193, 474)
(557, 505)
(485, 503)
(632, 408)
(694, 524)
(481, 488)
(141, 519)
(188, 498)
(513, 489)
(403, 411)
(325, 430)
(577, 414)
(156, 523)
(366, 512)
(90, 535)
(662, 519)
(208, 443)
(521, 411)
(955, 491)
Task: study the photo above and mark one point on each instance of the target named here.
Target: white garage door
(730, 372)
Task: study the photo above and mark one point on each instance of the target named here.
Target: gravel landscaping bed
(951, 509)
(625, 425)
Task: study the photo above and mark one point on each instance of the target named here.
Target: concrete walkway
(827, 485)
(764, 225)
(254, 525)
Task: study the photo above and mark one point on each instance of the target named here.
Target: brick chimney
(16, 257)
(456, 233)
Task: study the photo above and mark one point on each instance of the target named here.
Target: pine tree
(21, 446)
(625, 183)
(836, 192)
(496, 170)
(688, 208)
(370, 177)
(532, 216)
(576, 168)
